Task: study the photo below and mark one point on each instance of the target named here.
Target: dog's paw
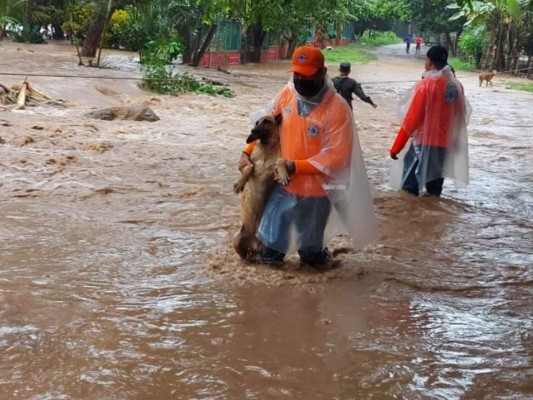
(238, 187)
(282, 176)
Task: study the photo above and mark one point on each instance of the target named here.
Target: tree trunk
(245, 48)
(258, 36)
(187, 44)
(514, 45)
(198, 56)
(292, 42)
(479, 56)
(94, 33)
(253, 40)
(451, 44)
(443, 40)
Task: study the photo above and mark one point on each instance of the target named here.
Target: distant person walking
(347, 86)
(407, 41)
(418, 42)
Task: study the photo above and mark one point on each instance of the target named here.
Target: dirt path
(116, 280)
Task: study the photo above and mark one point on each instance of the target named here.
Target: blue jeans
(285, 212)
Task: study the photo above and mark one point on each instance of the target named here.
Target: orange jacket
(322, 138)
(430, 115)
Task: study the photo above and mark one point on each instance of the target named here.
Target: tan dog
(487, 76)
(257, 181)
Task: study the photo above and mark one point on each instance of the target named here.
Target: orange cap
(307, 60)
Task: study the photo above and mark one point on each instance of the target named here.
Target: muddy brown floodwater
(117, 280)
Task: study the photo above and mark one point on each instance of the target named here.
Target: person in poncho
(328, 193)
(432, 141)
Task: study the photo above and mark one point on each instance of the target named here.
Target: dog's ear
(278, 119)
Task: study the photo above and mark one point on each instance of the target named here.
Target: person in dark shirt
(345, 86)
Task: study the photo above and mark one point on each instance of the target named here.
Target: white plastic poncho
(434, 114)
(320, 136)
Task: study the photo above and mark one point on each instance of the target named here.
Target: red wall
(222, 59)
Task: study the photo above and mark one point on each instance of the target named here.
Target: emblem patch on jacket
(452, 93)
(313, 130)
(287, 110)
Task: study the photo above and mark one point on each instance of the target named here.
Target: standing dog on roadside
(487, 76)
(257, 181)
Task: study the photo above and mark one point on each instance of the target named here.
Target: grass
(359, 52)
(380, 39)
(351, 53)
(528, 87)
(461, 65)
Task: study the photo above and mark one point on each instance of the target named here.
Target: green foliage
(29, 34)
(472, 43)
(78, 17)
(125, 31)
(380, 39)
(461, 65)
(162, 51)
(55, 15)
(528, 87)
(159, 79)
(353, 53)
(11, 9)
(5, 20)
(158, 76)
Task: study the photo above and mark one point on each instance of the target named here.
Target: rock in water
(135, 113)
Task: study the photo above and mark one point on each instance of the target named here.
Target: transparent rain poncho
(435, 114)
(329, 194)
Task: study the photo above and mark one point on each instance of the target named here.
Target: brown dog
(487, 76)
(257, 181)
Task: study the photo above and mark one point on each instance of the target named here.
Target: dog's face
(265, 129)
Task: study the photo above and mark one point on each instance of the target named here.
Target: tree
(10, 13)
(509, 25)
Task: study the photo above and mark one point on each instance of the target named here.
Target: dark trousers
(411, 184)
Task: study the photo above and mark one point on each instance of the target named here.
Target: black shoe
(431, 195)
(318, 260)
(413, 192)
(271, 257)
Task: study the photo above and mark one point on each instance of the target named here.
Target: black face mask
(307, 88)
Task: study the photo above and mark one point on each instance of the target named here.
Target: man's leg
(410, 162)
(273, 230)
(311, 219)
(434, 188)
(438, 156)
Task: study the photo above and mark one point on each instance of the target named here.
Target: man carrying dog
(345, 86)
(435, 116)
(328, 192)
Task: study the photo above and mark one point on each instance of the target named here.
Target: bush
(124, 31)
(160, 80)
(29, 34)
(158, 77)
(472, 43)
(380, 38)
(461, 65)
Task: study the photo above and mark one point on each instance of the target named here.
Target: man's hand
(393, 155)
(244, 161)
(290, 166)
(374, 105)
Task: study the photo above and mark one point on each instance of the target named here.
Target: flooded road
(117, 280)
